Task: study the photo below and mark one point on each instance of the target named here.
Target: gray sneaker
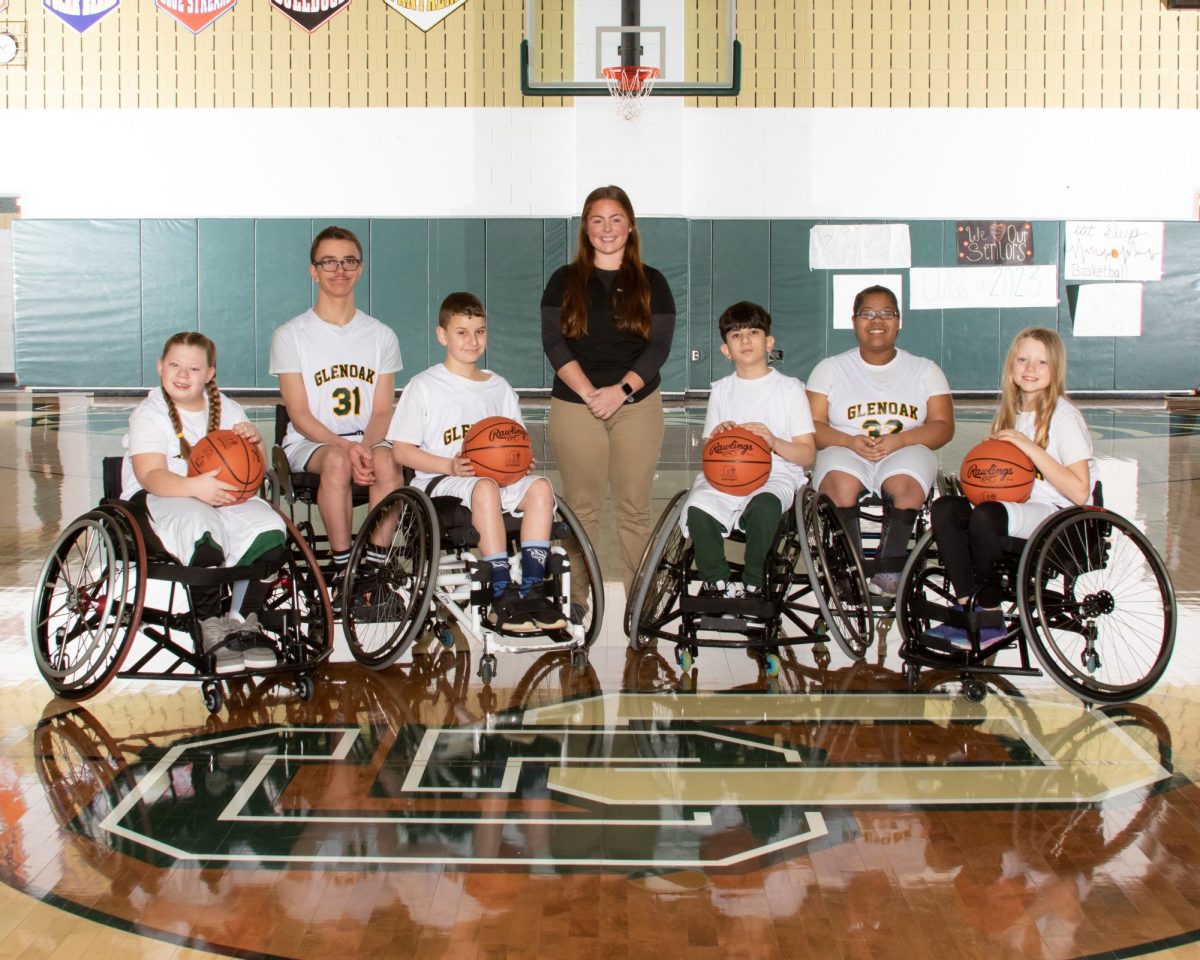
(885, 584)
(256, 652)
(225, 659)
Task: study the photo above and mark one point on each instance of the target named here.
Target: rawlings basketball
(498, 448)
(996, 470)
(239, 461)
(737, 461)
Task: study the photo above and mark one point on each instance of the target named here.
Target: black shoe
(541, 611)
(508, 613)
(336, 581)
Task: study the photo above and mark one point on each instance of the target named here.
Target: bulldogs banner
(425, 13)
(310, 14)
(80, 14)
(195, 14)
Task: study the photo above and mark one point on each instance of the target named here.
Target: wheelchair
(814, 581)
(108, 580)
(298, 489)
(1087, 592)
(431, 578)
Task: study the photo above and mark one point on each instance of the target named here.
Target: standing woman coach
(607, 323)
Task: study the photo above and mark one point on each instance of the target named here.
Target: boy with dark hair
(336, 369)
(772, 405)
(433, 416)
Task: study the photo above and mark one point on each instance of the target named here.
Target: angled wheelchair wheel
(1097, 604)
(661, 578)
(297, 614)
(384, 606)
(835, 570)
(88, 602)
(589, 607)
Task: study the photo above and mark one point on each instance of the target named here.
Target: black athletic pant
(970, 543)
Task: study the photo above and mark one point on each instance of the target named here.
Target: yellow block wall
(850, 53)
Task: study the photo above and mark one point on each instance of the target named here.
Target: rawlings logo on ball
(992, 473)
(729, 448)
(510, 432)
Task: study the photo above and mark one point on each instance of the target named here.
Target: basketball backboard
(568, 43)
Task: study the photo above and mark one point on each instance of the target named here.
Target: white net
(629, 87)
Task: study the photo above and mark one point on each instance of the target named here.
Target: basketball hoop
(629, 86)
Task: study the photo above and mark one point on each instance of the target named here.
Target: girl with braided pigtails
(196, 518)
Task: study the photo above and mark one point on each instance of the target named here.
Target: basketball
(737, 461)
(996, 470)
(239, 461)
(498, 448)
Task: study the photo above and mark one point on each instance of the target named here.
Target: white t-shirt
(340, 367)
(438, 407)
(777, 400)
(877, 400)
(1068, 443)
(151, 431)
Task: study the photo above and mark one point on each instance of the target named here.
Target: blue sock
(533, 563)
(501, 575)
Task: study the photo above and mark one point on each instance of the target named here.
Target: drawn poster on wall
(846, 287)
(425, 13)
(859, 246)
(1113, 250)
(984, 242)
(310, 14)
(949, 288)
(80, 14)
(195, 14)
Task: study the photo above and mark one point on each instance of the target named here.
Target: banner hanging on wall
(195, 14)
(994, 242)
(310, 14)
(425, 13)
(80, 14)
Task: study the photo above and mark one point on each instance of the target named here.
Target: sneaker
(539, 609)
(256, 651)
(506, 613)
(885, 584)
(336, 580)
(728, 590)
(225, 659)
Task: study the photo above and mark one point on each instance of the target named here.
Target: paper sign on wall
(1108, 310)
(949, 288)
(846, 287)
(858, 246)
(1113, 250)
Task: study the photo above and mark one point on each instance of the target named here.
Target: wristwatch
(628, 388)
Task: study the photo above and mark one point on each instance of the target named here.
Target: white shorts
(727, 508)
(1024, 518)
(299, 453)
(461, 489)
(182, 522)
(916, 461)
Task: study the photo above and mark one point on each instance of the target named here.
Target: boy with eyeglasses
(879, 414)
(336, 369)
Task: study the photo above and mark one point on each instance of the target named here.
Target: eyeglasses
(881, 314)
(330, 265)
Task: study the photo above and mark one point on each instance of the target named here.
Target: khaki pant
(620, 455)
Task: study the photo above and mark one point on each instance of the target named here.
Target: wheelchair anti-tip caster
(213, 698)
(974, 690)
(305, 688)
(771, 664)
(487, 668)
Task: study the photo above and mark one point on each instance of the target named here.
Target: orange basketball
(239, 461)
(737, 461)
(498, 447)
(996, 470)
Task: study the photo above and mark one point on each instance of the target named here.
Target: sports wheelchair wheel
(88, 602)
(836, 572)
(296, 613)
(660, 579)
(385, 606)
(1097, 604)
(590, 612)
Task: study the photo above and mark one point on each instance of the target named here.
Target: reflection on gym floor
(630, 807)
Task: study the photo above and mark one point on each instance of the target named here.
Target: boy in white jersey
(773, 406)
(336, 369)
(879, 414)
(435, 411)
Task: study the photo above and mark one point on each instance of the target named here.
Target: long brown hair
(191, 338)
(630, 293)
(1044, 403)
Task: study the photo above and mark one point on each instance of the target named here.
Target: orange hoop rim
(630, 79)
